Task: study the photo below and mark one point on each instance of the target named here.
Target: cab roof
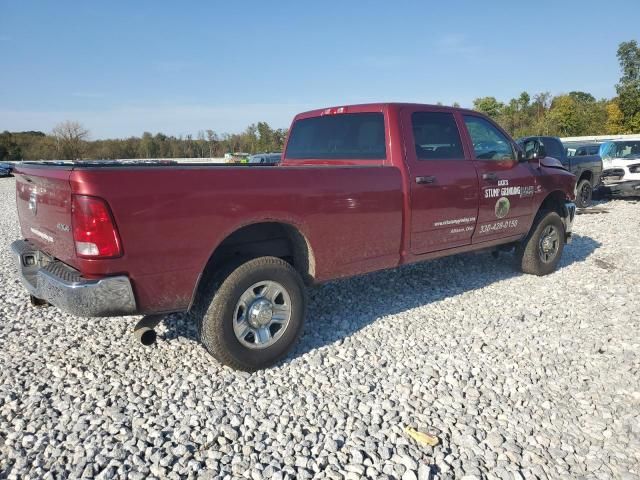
(378, 107)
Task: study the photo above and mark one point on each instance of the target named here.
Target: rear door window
(351, 136)
(436, 136)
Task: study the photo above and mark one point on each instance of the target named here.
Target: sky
(123, 68)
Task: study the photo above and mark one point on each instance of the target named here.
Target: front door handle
(425, 180)
(490, 176)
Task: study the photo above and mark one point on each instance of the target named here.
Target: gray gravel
(518, 376)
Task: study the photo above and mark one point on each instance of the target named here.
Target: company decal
(527, 191)
(42, 235)
(468, 228)
(498, 226)
(504, 190)
(454, 221)
(502, 207)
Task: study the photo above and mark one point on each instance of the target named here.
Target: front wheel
(540, 252)
(584, 193)
(256, 314)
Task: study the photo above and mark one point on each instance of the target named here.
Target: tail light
(94, 231)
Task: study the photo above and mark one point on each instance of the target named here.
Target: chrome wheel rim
(262, 314)
(549, 243)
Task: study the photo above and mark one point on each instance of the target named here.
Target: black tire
(584, 193)
(530, 255)
(215, 325)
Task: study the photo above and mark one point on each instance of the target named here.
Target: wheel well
(586, 175)
(265, 239)
(554, 202)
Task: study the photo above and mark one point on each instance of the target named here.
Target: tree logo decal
(502, 207)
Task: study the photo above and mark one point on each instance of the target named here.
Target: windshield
(629, 149)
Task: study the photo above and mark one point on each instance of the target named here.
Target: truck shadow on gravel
(338, 309)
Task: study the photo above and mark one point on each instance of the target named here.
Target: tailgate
(43, 198)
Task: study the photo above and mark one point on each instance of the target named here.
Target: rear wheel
(255, 315)
(584, 193)
(540, 252)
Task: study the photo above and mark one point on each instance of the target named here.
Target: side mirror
(533, 150)
(541, 151)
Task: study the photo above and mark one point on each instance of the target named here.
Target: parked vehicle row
(586, 168)
(265, 158)
(621, 160)
(359, 188)
(611, 167)
(5, 169)
(589, 149)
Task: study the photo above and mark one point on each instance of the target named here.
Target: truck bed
(128, 163)
(171, 217)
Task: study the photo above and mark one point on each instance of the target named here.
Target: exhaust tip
(146, 336)
(38, 302)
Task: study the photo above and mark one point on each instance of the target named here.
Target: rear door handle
(425, 180)
(490, 176)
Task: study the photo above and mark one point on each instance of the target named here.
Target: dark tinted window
(489, 143)
(436, 135)
(553, 148)
(343, 136)
(588, 150)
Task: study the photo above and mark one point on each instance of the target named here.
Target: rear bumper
(64, 287)
(567, 219)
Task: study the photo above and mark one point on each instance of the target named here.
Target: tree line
(70, 140)
(572, 114)
(576, 113)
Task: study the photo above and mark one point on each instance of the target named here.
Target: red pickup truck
(360, 188)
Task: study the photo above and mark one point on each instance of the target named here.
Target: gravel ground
(518, 376)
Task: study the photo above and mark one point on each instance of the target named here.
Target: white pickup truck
(621, 166)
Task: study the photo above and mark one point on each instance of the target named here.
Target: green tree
(564, 116)
(265, 137)
(148, 147)
(615, 118)
(9, 149)
(489, 106)
(594, 117)
(628, 88)
(582, 97)
(280, 137)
